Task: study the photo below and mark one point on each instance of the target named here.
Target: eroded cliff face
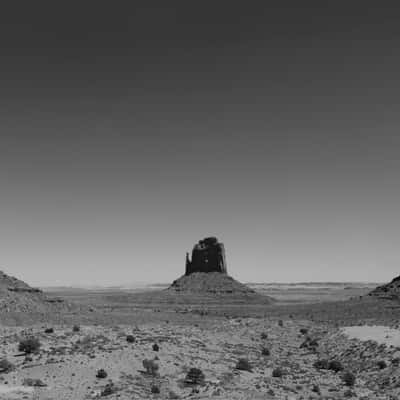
(208, 255)
(389, 291)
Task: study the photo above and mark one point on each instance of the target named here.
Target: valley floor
(297, 351)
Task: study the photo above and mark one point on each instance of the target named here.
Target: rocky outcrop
(206, 277)
(208, 255)
(212, 283)
(389, 291)
(17, 297)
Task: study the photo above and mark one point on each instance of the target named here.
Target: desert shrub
(396, 361)
(156, 347)
(172, 395)
(195, 376)
(349, 378)
(76, 328)
(348, 393)
(33, 382)
(304, 331)
(277, 372)
(130, 338)
(29, 345)
(49, 330)
(101, 374)
(309, 343)
(108, 390)
(321, 364)
(381, 364)
(151, 367)
(335, 366)
(265, 351)
(316, 389)
(243, 364)
(6, 366)
(264, 336)
(155, 389)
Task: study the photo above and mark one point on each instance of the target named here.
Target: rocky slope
(214, 285)
(389, 291)
(211, 282)
(18, 297)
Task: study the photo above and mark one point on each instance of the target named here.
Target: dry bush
(29, 345)
(101, 374)
(151, 367)
(243, 364)
(349, 378)
(277, 372)
(6, 366)
(335, 366)
(195, 376)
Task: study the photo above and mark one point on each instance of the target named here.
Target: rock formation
(206, 276)
(17, 297)
(208, 255)
(390, 291)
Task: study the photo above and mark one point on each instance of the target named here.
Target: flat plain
(310, 343)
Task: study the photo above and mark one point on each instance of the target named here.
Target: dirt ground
(285, 350)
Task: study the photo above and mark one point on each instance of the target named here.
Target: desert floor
(305, 349)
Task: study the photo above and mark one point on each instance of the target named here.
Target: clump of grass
(264, 336)
(156, 347)
(278, 372)
(108, 390)
(49, 330)
(309, 343)
(265, 351)
(280, 323)
(316, 389)
(335, 366)
(321, 364)
(101, 374)
(243, 364)
(155, 389)
(29, 345)
(381, 364)
(6, 366)
(349, 378)
(304, 331)
(151, 367)
(76, 328)
(195, 376)
(130, 338)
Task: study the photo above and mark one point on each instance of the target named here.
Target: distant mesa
(389, 291)
(208, 255)
(206, 274)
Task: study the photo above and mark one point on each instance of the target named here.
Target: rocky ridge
(389, 291)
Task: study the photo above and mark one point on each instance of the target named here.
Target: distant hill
(389, 291)
(18, 297)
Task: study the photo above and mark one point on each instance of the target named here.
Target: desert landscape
(199, 200)
(204, 336)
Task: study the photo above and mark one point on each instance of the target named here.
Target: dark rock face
(208, 255)
(390, 291)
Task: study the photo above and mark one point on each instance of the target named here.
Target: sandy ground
(68, 362)
(378, 333)
(299, 352)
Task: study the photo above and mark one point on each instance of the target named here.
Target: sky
(130, 130)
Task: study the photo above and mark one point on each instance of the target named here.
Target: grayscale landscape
(206, 335)
(199, 200)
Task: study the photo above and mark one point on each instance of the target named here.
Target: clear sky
(130, 130)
